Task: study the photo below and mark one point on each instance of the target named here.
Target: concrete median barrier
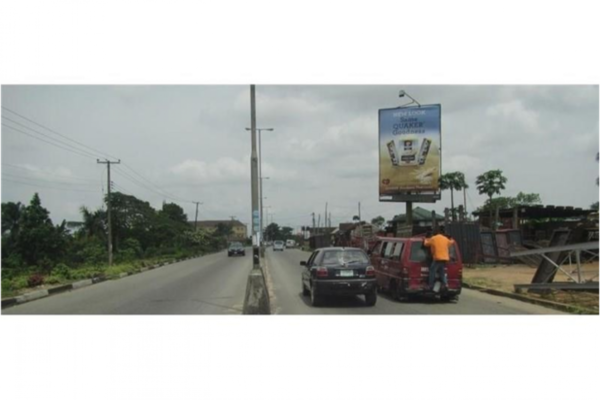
(257, 295)
(32, 296)
(84, 283)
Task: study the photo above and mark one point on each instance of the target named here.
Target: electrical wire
(165, 193)
(7, 174)
(50, 137)
(48, 173)
(57, 133)
(46, 141)
(46, 186)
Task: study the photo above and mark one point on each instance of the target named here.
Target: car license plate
(346, 273)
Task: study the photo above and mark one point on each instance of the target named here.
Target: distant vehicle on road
(402, 268)
(290, 244)
(278, 245)
(338, 271)
(236, 249)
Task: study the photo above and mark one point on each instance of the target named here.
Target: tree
(173, 212)
(594, 206)
(527, 199)
(132, 218)
(223, 230)
(286, 232)
(94, 223)
(39, 242)
(378, 222)
(272, 231)
(453, 181)
(356, 218)
(11, 213)
(491, 183)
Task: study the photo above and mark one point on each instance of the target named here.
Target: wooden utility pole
(325, 215)
(196, 220)
(110, 247)
(359, 212)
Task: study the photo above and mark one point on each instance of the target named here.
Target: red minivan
(402, 268)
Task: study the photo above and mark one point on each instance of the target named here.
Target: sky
(188, 143)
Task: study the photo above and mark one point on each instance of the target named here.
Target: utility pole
(319, 222)
(110, 249)
(359, 219)
(256, 300)
(196, 220)
(330, 219)
(325, 215)
(254, 174)
(313, 218)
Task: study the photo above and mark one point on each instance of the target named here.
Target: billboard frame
(409, 196)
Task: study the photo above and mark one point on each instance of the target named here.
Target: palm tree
(490, 183)
(460, 177)
(452, 181)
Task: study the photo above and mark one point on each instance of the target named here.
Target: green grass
(484, 282)
(15, 283)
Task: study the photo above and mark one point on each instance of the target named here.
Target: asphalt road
(214, 284)
(284, 276)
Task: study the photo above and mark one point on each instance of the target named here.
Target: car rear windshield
(418, 253)
(235, 245)
(278, 242)
(337, 257)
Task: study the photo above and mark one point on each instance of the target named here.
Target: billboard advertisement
(409, 153)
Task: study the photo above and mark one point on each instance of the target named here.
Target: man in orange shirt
(440, 246)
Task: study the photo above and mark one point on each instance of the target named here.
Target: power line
(142, 185)
(45, 180)
(57, 133)
(33, 171)
(50, 137)
(165, 193)
(46, 186)
(49, 142)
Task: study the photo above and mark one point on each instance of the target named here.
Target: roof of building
(535, 212)
(419, 215)
(214, 223)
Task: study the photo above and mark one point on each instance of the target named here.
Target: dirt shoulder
(504, 277)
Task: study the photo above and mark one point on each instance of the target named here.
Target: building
(239, 230)
(421, 218)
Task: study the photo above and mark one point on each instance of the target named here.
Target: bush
(19, 283)
(35, 280)
(62, 271)
(52, 280)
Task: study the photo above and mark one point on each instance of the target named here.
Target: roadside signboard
(410, 153)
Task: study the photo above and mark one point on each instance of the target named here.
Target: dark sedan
(338, 271)
(236, 249)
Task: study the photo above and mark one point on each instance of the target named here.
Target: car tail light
(322, 272)
(370, 271)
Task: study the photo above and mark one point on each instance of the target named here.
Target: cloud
(224, 170)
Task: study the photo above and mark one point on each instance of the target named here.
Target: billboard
(409, 153)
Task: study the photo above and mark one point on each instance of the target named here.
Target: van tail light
(322, 272)
(370, 272)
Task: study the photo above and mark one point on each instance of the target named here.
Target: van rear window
(420, 254)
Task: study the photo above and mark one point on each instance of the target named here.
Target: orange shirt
(440, 245)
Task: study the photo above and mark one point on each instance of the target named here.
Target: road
(284, 276)
(213, 284)
(216, 284)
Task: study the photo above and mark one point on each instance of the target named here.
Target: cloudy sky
(188, 143)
